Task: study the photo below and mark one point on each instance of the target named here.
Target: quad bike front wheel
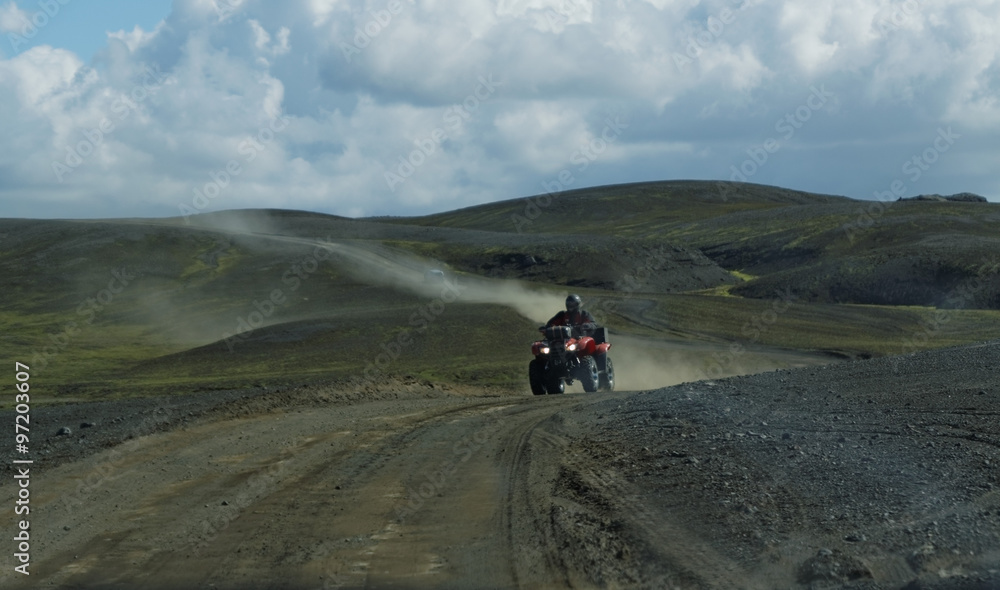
(555, 385)
(589, 374)
(607, 376)
(536, 376)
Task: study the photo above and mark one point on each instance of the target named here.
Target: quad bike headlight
(545, 350)
(571, 347)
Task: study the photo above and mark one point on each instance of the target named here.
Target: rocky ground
(867, 474)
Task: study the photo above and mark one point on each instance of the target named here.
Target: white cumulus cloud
(12, 18)
(398, 106)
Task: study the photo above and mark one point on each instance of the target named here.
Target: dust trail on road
(367, 261)
(638, 365)
(381, 265)
(647, 363)
(641, 363)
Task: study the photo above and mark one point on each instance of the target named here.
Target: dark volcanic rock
(956, 198)
(891, 479)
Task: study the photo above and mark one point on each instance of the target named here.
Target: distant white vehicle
(434, 276)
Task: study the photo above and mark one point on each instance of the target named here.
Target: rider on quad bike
(573, 348)
(579, 320)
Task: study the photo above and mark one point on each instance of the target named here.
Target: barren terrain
(283, 400)
(869, 474)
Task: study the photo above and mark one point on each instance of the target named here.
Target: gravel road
(867, 474)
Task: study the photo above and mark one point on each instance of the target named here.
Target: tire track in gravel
(313, 498)
(690, 560)
(533, 551)
(154, 507)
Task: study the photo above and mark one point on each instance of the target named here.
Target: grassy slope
(466, 343)
(889, 265)
(850, 330)
(639, 209)
(827, 249)
(187, 289)
(191, 285)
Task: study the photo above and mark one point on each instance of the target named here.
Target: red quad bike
(560, 358)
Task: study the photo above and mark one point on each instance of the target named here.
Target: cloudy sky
(117, 108)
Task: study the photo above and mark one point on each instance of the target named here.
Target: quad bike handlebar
(575, 330)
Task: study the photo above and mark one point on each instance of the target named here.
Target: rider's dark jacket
(581, 318)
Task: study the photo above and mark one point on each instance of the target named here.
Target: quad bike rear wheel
(608, 375)
(536, 376)
(589, 374)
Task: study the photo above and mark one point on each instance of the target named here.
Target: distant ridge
(956, 198)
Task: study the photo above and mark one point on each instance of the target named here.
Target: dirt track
(874, 474)
(359, 495)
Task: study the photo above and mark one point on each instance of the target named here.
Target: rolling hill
(827, 249)
(706, 278)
